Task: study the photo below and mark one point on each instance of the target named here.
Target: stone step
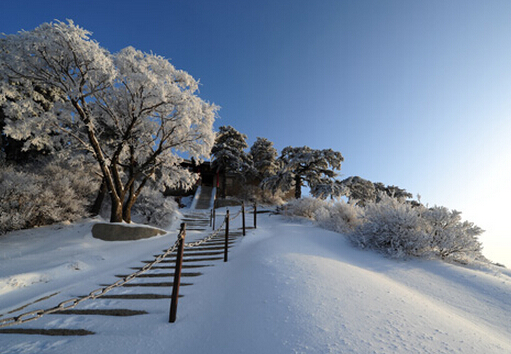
(102, 312)
(48, 332)
(162, 275)
(184, 266)
(161, 284)
(197, 254)
(203, 249)
(173, 260)
(137, 296)
(200, 216)
(215, 243)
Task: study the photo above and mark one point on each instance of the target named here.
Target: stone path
(204, 202)
(155, 284)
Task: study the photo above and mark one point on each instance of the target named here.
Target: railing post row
(243, 216)
(177, 274)
(255, 215)
(226, 248)
(214, 217)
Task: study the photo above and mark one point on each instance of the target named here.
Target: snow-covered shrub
(153, 208)
(42, 197)
(304, 207)
(340, 216)
(402, 229)
(261, 196)
(391, 227)
(449, 237)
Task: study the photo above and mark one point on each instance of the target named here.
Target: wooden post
(211, 217)
(177, 274)
(243, 216)
(214, 217)
(255, 215)
(226, 249)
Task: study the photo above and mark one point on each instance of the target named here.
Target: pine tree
(362, 191)
(301, 165)
(264, 157)
(359, 190)
(229, 155)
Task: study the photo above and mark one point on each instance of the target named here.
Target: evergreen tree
(229, 155)
(264, 157)
(359, 190)
(330, 188)
(301, 165)
(363, 191)
(391, 191)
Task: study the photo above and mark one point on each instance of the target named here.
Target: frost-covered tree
(264, 157)
(19, 151)
(301, 165)
(330, 188)
(362, 191)
(359, 190)
(134, 112)
(391, 191)
(229, 154)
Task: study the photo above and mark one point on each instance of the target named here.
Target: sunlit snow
(289, 287)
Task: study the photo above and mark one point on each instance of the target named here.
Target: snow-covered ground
(289, 287)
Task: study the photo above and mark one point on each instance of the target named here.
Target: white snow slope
(289, 287)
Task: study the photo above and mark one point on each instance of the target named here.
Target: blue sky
(413, 93)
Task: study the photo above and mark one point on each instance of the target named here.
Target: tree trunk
(126, 209)
(298, 186)
(96, 207)
(116, 211)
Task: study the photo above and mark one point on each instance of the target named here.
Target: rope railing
(72, 303)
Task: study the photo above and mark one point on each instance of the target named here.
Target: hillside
(289, 287)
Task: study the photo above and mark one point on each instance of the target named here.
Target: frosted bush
(153, 208)
(391, 227)
(401, 229)
(340, 216)
(449, 237)
(261, 196)
(50, 194)
(305, 207)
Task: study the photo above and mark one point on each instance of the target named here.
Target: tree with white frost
(301, 165)
(134, 112)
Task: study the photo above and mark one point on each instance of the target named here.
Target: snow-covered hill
(289, 287)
